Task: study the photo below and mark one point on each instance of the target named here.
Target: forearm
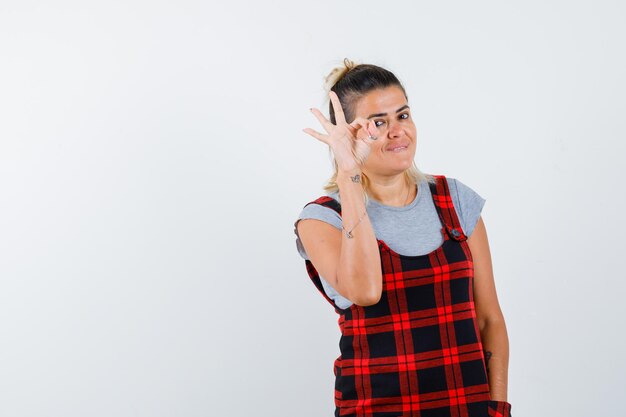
(359, 273)
(496, 343)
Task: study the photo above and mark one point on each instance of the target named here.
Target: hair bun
(338, 73)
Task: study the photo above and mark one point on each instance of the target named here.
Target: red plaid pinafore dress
(417, 352)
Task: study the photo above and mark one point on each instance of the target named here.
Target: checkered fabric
(417, 352)
(499, 409)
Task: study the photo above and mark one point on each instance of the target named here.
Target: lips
(398, 147)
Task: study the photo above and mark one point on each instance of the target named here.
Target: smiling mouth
(398, 148)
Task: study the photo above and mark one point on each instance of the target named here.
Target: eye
(404, 116)
(379, 122)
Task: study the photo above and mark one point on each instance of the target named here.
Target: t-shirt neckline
(412, 204)
(376, 204)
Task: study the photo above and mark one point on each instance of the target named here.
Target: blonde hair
(351, 82)
(338, 73)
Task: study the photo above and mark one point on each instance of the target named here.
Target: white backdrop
(152, 165)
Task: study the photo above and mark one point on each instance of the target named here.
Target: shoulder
(328, 204)
(468, 203)
(325, 209)
(461, 190)
(322, 212)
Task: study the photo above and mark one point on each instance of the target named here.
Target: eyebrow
(406, 106)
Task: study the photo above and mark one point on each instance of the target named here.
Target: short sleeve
(468, 204)
(318, 212)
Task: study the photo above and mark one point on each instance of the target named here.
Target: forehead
(386, 100)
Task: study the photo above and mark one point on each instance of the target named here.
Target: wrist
(354, 175)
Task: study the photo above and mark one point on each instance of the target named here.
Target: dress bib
(417, 352)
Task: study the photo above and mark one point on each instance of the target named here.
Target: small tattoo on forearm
(356, 178)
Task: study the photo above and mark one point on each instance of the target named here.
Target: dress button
(455, 233)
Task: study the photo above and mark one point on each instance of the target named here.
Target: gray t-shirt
(414, 229)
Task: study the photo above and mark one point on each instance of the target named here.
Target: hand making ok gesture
(349, 142)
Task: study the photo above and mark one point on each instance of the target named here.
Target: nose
(395, 129)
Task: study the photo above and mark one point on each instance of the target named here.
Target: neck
(393, 191)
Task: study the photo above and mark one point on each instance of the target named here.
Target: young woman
(403, 257)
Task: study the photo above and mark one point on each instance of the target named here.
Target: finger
(326, 124)
(317, 135)
(339, 116)
(371, 130)
(368, 126)
(357, 127)
(361, 123)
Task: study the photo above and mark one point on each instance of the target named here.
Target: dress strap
(329, 202)
(445, 208)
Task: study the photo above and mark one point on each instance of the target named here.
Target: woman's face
(394, 150)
